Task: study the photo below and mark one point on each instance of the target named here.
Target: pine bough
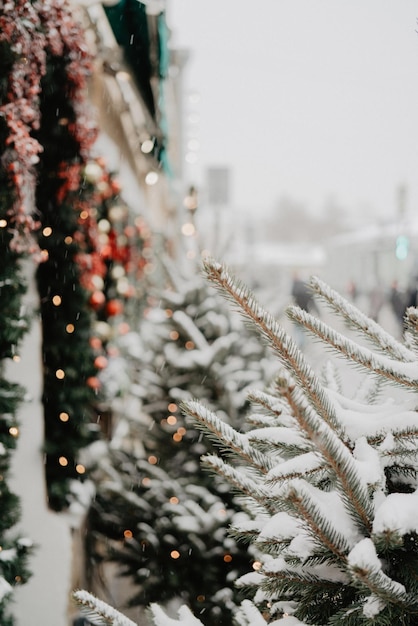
(330, 479)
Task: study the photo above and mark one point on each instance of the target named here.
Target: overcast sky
(313, 99)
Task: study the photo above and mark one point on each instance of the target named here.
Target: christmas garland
(22, 61)
(66, 135)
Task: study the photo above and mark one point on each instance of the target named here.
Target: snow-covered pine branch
(99, 610)
(281, 342)
(226, 435)
(361, 322)
(404, 373)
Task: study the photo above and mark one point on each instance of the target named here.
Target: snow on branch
(358, 320)
(99, 609)
(405, 373)
(288, 352)
(228, 436)
(186, 617)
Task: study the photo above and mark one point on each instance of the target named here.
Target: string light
(146, 481)
(181, 431)
(68, 240)
(70, 328)
(63, 461)
(47, 231)
(56, 300)
(44, 255)
(64, 417)
(189, 345)
(168, 313)
(227, 558)
(80, 469)
(172, 407)
(177, 437)
(152, 460)
(84, 215)
(174, 500)
(3, 223)
(174, 335)
(147, 146)
(16, 358)
(171, 419)
(201, 598)
(151, 178)
(188, 229)
(14, 431)
(60, 374)
(256, 565)
(175, 554)
(128, 534)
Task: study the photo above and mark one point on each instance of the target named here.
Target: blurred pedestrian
(303, 295)
(376, 301)
(398, 302)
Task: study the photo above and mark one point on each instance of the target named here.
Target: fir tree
(328, 472)
(162, 516)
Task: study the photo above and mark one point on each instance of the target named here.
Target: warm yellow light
(147, 146)
(177, 437)
(3, 223)
(172, 407)
(175, 554)
(256, 565)
(14, 431)
(44, 255)
(153, 460)
(146, 481)
(60, 374)
(56, 300)
(80, 469)
(189, 345)
(84, 215)
(227, 558)
(151, 178)
(47, 231)
(181, 431)
(68, 240)
(174, 335)
(63, 461)
(171, 419)
(16, 358)
(64, 417)
(128, 534)
(188, 229)
(174, 500)
(70, 328)
(201, 598)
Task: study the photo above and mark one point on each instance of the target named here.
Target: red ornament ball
(93, 382)
(97, 299)
(114, 307)
(100, 362)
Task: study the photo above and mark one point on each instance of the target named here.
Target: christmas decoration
(66, 135)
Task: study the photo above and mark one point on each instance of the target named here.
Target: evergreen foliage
(162, 517)
(66, 134)
(334, 502)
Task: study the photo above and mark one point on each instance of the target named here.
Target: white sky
(314, 99)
